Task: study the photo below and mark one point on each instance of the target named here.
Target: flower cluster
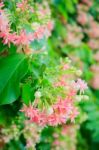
(60, 106)
(9, 133)
(86, 25)
(95, 79)
(21, 38)
(65, 137)
(31, 133)
(74, 35)
(92, 29)
(84, 31)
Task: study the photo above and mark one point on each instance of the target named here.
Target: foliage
(40, 86)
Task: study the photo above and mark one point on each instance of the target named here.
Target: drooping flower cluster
(21, 37)
(60, 106)
(9, 133)
(65, 137)
(84, 33)
(90, 26)
(31, 133)
(74, 35)
(85, 25)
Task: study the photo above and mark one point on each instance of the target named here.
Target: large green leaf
(12, 70)
(26, 93)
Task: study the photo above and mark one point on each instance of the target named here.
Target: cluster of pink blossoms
(74, 35)
(89, 24)
(87, 2)
(95, 79)
(31, 133)
(22, 38)
(62, 109)
(58, 113)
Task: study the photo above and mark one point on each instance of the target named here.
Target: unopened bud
(37, 94)
(18, 9)
(78, 72)
(78, 98)
(85, 97)
(68, 60)
(50, 111)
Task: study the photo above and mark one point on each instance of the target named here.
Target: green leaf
(26, 93)
(12, 70)
(69, 6)
(75, 1)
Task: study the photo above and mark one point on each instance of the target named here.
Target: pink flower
(96, 56)
(23, 5)
(39, 33)
(8, 37)
(61, 82)
(95, 79)
(43, 119)
(30, 112)
(93, 43)
(29, 144)
(65, 67)
(50, 25)
(42, 12)
(82, 18)
(34, 115)
(56, 142)
(63, 107)
(74, 114)
(1, 5)
(94, 33)
(55, 135)
(4, 23)
(72, 92)
(23, 38)
(82, 85)
(53, 120)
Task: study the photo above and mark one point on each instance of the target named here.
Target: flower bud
(37, 94)
(68, 60)
(78, 98)
(85, 97)
(78, 72)
(49, 110)
(18, 9)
